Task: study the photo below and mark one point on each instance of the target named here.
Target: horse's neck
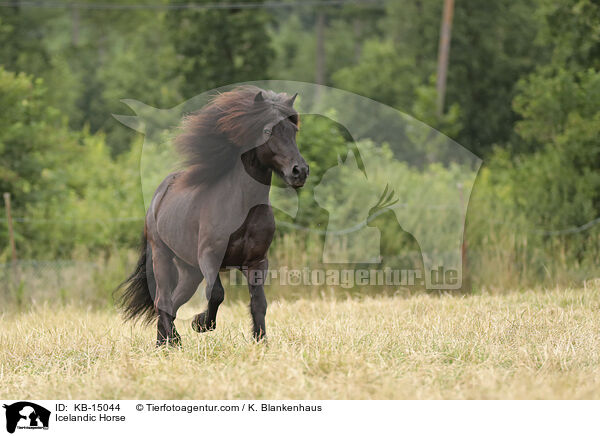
(254, 178)
(255, 169)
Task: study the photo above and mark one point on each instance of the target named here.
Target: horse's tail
(135, 299)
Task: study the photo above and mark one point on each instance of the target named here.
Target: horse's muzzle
(298, 175)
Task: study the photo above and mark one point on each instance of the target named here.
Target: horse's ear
(259, 97)
(290, 101)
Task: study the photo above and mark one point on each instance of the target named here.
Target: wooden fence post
(11, 236)
(466, 282)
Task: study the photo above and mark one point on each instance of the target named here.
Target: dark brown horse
(216, 212)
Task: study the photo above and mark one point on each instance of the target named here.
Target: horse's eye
(267, 132)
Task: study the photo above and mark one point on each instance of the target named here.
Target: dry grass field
(532, 344)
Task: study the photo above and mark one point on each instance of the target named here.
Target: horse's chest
(250, 243)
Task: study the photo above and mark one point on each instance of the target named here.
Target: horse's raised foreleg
(207, 320)
(256, 275)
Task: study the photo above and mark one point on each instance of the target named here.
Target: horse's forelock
(242, 119)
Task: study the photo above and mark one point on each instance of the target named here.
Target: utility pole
(444, 54)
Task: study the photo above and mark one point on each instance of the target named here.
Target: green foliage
(492, 47)
(547, 197)
(218, 47)
(424, 109)
(294, 40)
(572, 28)
(64, 184)
(113, 51)
(523, 91)
(381, 75)
(22, 35)
(89, 60)
(560, 110)
(294, 53)
(27, 126)
(96, 199)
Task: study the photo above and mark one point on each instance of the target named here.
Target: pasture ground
(530, 344)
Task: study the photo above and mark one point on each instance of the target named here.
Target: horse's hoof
(199, 323)
(259, 338)
(169, 342)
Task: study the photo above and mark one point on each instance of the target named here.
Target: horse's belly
(250, 243)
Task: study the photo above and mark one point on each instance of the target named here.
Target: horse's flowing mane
(213, 138)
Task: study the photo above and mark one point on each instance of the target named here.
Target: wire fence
(191, 6)
(28, 281)
(70, 220)
(565, 231)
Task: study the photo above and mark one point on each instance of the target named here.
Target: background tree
(217, 47)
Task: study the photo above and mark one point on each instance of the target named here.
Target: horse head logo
(348, 239)
(24, 414)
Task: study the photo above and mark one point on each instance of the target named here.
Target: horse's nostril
(295, 170)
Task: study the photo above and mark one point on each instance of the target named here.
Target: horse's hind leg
(207, 320)
(165, 277)
(166, 332)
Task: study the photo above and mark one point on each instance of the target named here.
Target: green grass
(534, 344)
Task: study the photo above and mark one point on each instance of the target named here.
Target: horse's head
(279, 150)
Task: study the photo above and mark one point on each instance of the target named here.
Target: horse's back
(160, 193)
